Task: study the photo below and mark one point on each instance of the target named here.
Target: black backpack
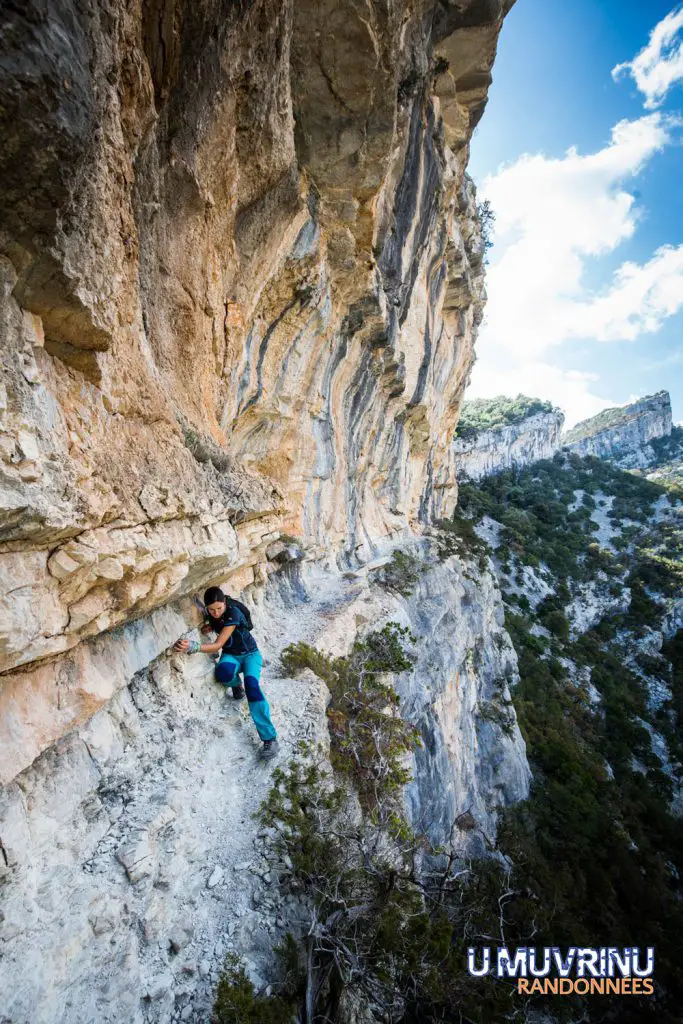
(245, 611)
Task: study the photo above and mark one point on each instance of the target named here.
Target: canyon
(242, 273)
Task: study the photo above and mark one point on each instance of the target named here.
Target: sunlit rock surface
(623, 434)
(241, 276)
(506, 447)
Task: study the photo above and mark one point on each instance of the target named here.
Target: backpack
(245, 611)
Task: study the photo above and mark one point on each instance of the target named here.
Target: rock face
(473, 759)
(504, 447)
(622, 434)
(130, 861)
(241, 276)
(240, 280)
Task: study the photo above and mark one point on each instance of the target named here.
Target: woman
(239, 654)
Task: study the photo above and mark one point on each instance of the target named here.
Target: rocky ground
(143, 848)
(134, 860)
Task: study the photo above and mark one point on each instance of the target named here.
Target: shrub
(369, 739)
(457, 536)
(378, 928)
(556, 623)
(205, 450)
(486, 218)
(402, 573)
(237, 1003)
(498, 712)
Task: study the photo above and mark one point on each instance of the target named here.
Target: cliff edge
(623, 434)
(241, 277)
(497, 434)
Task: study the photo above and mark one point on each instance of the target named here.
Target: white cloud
(552, 215)
(659, 65)
(555, 218)
(639, 300)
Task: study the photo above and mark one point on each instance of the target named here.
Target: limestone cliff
(241, 281)
(242, 276)
(131, 861)
(508, 446)
(623, 434)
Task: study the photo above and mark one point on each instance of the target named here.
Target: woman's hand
(181, 645)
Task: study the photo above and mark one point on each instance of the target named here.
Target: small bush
(402, 573)
(205, 450)
(556, 623)
(369, 739)
(499, 712)
(457, 536)
(237, 1003)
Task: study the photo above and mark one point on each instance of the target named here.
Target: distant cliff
(623, 434)
(498, 434)
(587, 557)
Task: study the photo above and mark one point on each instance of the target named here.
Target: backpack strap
(245, 611)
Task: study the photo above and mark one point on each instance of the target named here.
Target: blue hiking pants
(227, 671)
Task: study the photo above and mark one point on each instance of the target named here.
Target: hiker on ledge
(232, 622)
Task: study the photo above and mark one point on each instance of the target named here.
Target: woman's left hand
(181, 645)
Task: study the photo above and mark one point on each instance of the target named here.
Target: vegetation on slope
(480, 414)
(605, 420)
(594, 854)
(668, 465)
(597, 852)
(379, 933)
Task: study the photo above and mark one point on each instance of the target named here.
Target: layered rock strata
(623, 435)
(241, 277)
(509, 446)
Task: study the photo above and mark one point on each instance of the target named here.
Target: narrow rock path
(155, 867)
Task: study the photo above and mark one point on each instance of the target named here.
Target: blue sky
(583, 168)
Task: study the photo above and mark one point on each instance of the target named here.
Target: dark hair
(213, 595)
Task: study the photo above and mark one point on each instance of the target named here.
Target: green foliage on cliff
(597, 854)
(369, 739)
(480, 414)
(237, 1003)
(544, 522)
(668, 466)
(457, 536)
(375, 929)
(379, 930)
(669, 448)
(604, 420)
(402, 573)
(596, 850)
(487, 219)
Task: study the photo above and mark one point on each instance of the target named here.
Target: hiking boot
(270, 749)
(237, 692)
